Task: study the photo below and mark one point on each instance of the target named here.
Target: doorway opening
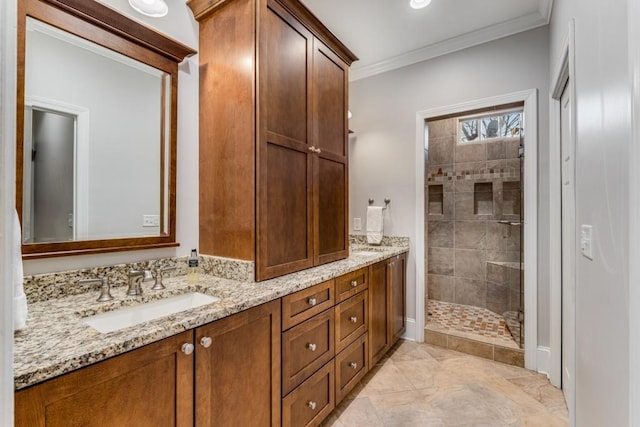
(474, 213)
(479, 245)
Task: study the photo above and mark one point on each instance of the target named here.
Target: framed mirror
(96, 140)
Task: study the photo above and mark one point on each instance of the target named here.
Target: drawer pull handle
(311, 404)
(312, 301)
(311, 346)
(187, 348)
(354, 283)
(206, 342)
(353, 365)
(353, 319)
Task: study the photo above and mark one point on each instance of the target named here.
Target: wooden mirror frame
(104, 26)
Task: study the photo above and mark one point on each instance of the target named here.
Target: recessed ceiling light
(419, 4)
(153, 8)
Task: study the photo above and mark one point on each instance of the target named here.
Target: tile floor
(471, 322)
(424, 385)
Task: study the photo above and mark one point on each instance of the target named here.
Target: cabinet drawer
(306, 303)
(352, 283)
(351, 366)
(310, 403)
(305, 348)
(351, 319)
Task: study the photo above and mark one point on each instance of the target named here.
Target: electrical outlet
(151, 220)
(357, 224)
(586, 240)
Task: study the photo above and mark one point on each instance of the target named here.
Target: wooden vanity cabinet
(273, 135)
(151, 386)
(387, 305)
(237, 365)
(232, 364)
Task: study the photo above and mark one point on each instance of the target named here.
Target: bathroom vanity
(280, 352)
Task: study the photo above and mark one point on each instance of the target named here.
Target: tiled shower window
(486, 127)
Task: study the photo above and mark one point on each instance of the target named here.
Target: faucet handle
(105, 288)
(160, 285)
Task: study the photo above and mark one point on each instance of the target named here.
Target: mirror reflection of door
(52, 176)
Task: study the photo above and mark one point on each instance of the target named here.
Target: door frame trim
(565, 72)
(530, 99)
(633, 15)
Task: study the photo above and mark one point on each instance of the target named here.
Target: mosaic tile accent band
(471, 322)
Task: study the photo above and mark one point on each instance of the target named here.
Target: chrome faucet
(105, 288)
(135, 280)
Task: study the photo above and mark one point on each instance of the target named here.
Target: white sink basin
(126, 317)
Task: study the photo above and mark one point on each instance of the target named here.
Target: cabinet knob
(353, 319)
(353, 365)
(318, 150)
(312, 301)
(311, 346)
(311, 404)
(354, 283)
(312, 149)
(187, 348)
(206, 342)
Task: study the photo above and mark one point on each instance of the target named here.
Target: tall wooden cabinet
(273, 135)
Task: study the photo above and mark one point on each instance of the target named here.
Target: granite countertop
(57, 341)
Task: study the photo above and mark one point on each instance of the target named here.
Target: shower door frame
(530, 99)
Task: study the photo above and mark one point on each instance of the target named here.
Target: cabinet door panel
(332, 210)
(238, 376)
(150, 386)
(287, 48)
(379, 334)
(398, 297)
(330, 88)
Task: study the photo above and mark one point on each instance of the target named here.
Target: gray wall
(382, 152)
(603, 126)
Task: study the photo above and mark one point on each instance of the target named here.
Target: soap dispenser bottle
(193, 271)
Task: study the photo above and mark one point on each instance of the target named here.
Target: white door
(568, 248)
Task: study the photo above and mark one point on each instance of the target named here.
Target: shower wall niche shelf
(483, 198)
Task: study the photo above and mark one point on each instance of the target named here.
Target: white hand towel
(375, 225)
(19, 299)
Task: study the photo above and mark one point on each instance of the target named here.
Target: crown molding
(545, 7)
(474, 38)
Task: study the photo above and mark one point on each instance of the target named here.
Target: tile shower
(473, 214)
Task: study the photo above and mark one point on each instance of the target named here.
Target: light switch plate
(357, 224)
(586, 240)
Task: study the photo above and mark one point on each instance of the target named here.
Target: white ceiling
(388, 34)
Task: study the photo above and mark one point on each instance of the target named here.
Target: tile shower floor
(425, 385)
(470, 322)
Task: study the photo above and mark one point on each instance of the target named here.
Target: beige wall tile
(470, 292)
(471, 347)
(470, 234)
(443, 127)
(511, 146)
(470, 153)
(496, 273)
(498, 298)
(509, 356)
(440, 234)
(496, 236)
(440, 261)
(496, 150)
(470, 264)
(440, 288)
(441, 150)
(464, 206)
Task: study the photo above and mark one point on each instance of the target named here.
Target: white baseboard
(543, 360)
(410, 333)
